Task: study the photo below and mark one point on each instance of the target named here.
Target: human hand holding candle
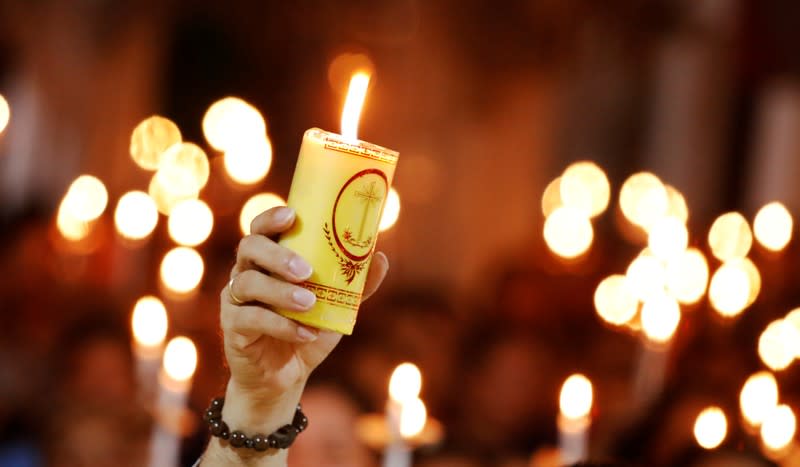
(575, 403)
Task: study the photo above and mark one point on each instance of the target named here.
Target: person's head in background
(330, 439)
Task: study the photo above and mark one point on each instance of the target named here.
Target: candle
(339, 189)
(149, 323)
(175, 381)
(574, 420)
(405, 414)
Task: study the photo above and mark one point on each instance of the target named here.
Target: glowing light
(687, 276)
(247, 164)
(405, 383)
(758, 397)
(643, 199)
(180, 359)
(668, 238)
(773, 226)
(184, 169)
(646, 276)
(614, 300)
(551, 198)
(86, 198)
(730, 237)
(353, 105)
(568, 232)
(575, 400)
(779, 428)
(344, 66)
(710, 428)
(149, 321)
(661, 315)
(413, 416)
(730, 289)
(391, 211)
(753, 278)
(677, 204)
(5, 113)
(230, 122)
(136, 215)
(585, 186)
(151, 138)
(71, 228)
(190, 222)
(793, 318)
(255, 206)
(779, 345)
(164, 197)
(182, 269)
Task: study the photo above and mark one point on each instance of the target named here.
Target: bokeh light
(758, 397)
(150, 140)
(614, 300)
(247, 164)
(773, 226)
(753, 277)
(230, 122)
(568, 232)
(5, 113)
(136, 215)
(354, 104)
(779, 428)
(687, 276)
(182, 269)
(643, 199)
(729, 292)
(661, 315)
(149, 321)
(86, 198)
(551, 198)
(190, 222)
(668, 238)
(405, 383)
(575, 399)
(779, 345)
(413, 416)
(677, 204)
(584, 186)
(180, 358)
(255, 206)
(184, 169)
(730, 237)
(69, 227)
(391, 211)
(646, 276)
(164, 198)
(710, 428)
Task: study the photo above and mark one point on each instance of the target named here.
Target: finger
(377, 273)
(256, 320)
(273, 221)
(255, 286)
(260, 251)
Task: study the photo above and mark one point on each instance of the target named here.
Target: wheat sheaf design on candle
(354, 222)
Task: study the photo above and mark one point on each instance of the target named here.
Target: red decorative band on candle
(334, 296)
(362, 150)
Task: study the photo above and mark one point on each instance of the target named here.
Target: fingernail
(306, 334)
(304, 298)
(284, 214)
(299, 268)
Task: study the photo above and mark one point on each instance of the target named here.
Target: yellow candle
(339, 188)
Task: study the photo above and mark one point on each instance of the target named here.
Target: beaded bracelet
(282, 438)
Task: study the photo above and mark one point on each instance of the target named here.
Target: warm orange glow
(86, 198)
(551, 198)
(231, 122)
(614, 300)
(405, 383)
(730, 289)
(779, 428)
(779, 345)
(164, 198)
(710, 428)
(575, 399)
(646, 276)
(568, 232)
(180, 359)
(255, 206)
(758, 397)
(643, 199)
(773, 226)
(753, 278)
(353, 105)
(151, 138)
(584, 186)
(730, 237)
(190, 222)
(793, 318)
(69, 227)
(687, 276)
(182, 269)
(149, 321)
(661, 315)
(247, 164)
(413, 416)
(5, 113)
(391, 211)
(344, 66)
(668, 238)
(184, 169)
(677, 204)
(136, 215)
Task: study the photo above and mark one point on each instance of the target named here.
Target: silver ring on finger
(234, 299)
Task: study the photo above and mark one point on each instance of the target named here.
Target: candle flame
(180, 359)
(758, 397)
(413, 416)
(149, 321)
(576, 397)
(710, 428)
(779, 428)
(405, 384)
(353, 104)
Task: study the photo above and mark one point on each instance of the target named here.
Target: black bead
(226, 433)
(237, 439)
(260, 442)
(216, 427)
(210, 415)
(248, 443)
(217, 403)
(285, 436)
(272, 441)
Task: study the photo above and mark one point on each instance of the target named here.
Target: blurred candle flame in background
(729, 291)
(643, 199)
(254, 206)
(779, 345)
(668, 238)
(551, 198)
(778, 428)
(5, 113)
(86, 198)
(568, 232)
(247, 164)
(412, 418)
(231, 122)
(730, 236)
(758, 397)
(687, 276)
(180, 359)
(646, 276)
(405, 383)
(136, 215)
(614, 300)
(661, 315)
(150, 140)
(584, 186)
(182, 269)
(391, 211)
(190, 222)
(576, 397)
(149, 321)
(773, 226)
(710, 428)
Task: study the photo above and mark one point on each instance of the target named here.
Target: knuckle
(246, 284)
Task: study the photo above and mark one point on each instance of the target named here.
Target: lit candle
(339, 189)
(574, 419)
(149, 323)
(175, 381)
(405, 414)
